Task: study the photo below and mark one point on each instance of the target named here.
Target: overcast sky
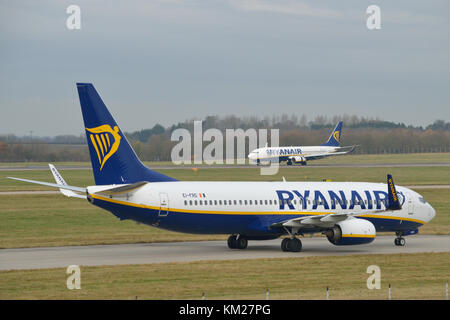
(167, 61)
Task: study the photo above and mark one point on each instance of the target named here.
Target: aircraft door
(410, 206)
(163, 204)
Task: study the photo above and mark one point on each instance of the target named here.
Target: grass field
(402, 175)
(287, 278)
(54, 220)
(412, 158)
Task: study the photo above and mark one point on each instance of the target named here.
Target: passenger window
(215, 202)
(250, 202)
(190, 202)
(220, 202)
(195, 202)
(200, 202)
(185, 202)
(270, 202)
(240, 202)
(245, 202)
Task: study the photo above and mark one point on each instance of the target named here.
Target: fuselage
(292, 152)
(251, 208)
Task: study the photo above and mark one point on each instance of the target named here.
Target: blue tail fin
(335, 138)
(113, 159)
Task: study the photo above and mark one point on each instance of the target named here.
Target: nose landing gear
(399, 241)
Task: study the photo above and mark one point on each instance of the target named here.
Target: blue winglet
(394, 202)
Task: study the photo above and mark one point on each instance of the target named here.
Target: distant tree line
(372, 135)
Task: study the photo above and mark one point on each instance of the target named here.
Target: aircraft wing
(322, 221)
(328, 154)
(71, 191)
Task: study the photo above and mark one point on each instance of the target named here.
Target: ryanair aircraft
(301, 155)
(348, 213)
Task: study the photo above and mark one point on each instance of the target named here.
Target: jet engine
(298, 159)
(351, 231)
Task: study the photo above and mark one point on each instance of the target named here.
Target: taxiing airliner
(293, 155)
(348, 213)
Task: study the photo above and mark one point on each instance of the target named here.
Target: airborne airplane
(347, 213)
(301, 155)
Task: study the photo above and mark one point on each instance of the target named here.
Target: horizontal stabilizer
(54, 185)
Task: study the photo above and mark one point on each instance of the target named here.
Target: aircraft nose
(431, 213)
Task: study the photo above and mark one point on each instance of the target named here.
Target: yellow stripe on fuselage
(296, 213)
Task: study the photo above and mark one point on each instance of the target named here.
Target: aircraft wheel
(400, 242)
(284, 244)
(232, 242)
(295, 245)
(291, 245)
(241, 243)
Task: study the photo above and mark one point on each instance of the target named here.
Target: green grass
(402, 175)
(287, 278)
(54, 220)
(412, 158)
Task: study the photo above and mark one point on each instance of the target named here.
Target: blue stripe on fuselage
(227, 223)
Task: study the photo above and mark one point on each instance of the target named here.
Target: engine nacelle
(299, 159)
(351, 231)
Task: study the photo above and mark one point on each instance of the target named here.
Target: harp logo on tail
(105, 141)
(336, 135)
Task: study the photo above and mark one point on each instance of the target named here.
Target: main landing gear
(291, 245)
(399, 241)
(237, 242)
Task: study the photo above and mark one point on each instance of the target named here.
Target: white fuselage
(207, 206)
(296, 153)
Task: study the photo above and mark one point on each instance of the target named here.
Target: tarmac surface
(142, 253)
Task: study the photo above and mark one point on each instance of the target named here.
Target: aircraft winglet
(394, 203)
(60, 181)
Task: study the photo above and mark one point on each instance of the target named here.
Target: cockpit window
(421, 199)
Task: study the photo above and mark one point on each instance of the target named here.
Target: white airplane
(301, 154)
(347, 213)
